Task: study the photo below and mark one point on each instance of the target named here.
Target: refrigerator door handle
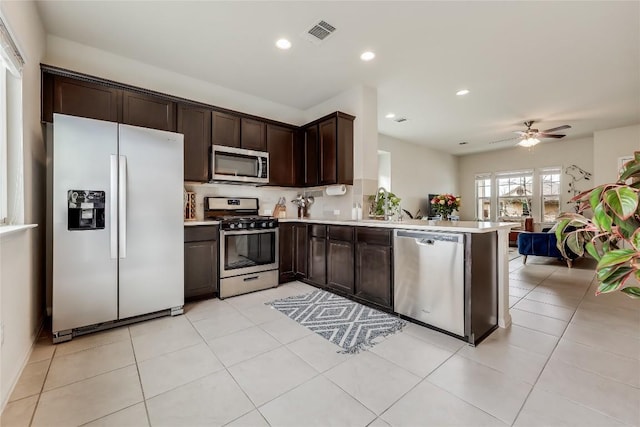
(113, 210)
(122, 205)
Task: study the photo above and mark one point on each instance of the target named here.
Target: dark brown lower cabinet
(286, 243)
(300, 259)
(340, 265)
(374, 267)
(293, 251)
(317, 267)
(200, 261)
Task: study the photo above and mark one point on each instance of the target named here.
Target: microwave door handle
(259, 160)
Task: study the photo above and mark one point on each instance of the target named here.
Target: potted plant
(612, 234)
(377, 204)
(445, 204)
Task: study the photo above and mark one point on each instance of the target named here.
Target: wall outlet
(336, 211)
(268, 212)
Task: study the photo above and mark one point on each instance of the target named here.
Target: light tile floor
(570, 358)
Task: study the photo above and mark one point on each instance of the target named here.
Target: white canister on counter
(354, 211)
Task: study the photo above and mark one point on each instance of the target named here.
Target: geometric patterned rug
(346, 323)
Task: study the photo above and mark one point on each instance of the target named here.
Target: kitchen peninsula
(372, 261)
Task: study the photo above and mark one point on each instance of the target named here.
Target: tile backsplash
(324, 207)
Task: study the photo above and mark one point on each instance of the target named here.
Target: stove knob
(232, 226)
(252, 225)
(272, 224)
(264, 225)
(240, 225)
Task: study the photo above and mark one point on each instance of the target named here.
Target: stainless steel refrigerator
(117, 224)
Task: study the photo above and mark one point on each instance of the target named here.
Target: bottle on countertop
(354, 211)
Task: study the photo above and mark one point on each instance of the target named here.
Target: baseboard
(25, 361)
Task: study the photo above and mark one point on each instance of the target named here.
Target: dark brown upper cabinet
(80, 98)
(310, 156)
(253, 135)
(281, 148)
(195, 123)
(149, 111)
(335, 149)
(225, 129)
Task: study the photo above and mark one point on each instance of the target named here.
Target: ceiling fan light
(528, 142)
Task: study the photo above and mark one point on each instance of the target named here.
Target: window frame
(529, 173)
(4, 173)
(483, 177)
(555, 170)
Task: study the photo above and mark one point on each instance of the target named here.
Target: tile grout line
(549, 358)
(230, 375)
(33, 415)
(135, 358)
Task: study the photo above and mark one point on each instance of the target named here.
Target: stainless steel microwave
(229, 164)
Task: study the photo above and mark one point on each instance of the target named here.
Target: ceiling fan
(531, 137)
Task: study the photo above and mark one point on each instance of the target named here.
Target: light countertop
(193, 222)
(413, 224)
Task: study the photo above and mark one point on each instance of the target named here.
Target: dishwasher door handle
(425, 242)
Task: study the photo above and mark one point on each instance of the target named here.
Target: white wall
(608, 146)
(417, 171)
(561, 153)
(96, 62)
(22, 254)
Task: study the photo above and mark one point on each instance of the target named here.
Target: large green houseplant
(612, 234)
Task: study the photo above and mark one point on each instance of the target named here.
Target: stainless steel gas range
(248, 245)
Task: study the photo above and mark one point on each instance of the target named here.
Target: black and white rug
(346, 323)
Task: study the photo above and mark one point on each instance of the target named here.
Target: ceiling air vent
(400, 119)
(319, 32)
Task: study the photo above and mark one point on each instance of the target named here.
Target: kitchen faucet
(386, 201)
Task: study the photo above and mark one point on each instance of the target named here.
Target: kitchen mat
(348, 324)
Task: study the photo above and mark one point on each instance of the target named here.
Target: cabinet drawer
(341, 232)
(318, 230)
(200, 233)
(374, 237)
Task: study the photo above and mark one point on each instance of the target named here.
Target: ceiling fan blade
(544, 135)
(520, 132)
(557, 128)
(505, 140)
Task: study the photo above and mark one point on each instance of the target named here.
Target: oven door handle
(244, 232)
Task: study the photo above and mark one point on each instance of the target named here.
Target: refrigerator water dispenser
(85, 210)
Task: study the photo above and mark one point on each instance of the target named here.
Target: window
(11, 63)
(384, 169)
(550, 193)
(3, 143)
(515, 193)
(483, 197)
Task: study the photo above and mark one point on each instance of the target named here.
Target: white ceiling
(575, 63)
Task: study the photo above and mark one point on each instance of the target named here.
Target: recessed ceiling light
(390, 116)
(367, 56)
(283, 44)
(462, 92)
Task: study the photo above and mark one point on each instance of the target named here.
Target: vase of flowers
(445, 204)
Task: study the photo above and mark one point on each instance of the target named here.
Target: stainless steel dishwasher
(429, 278)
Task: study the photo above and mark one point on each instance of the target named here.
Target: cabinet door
(148, 111)
(280, 146)
(374, 273)
(317, 267)
(340, 274)
(84, 99)
(300, 261)
(225, 129)
(344, 150)
(310, 174)
(327, 152)
(286, 237)
(200, 268)
(253, 135)
(195, 124)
